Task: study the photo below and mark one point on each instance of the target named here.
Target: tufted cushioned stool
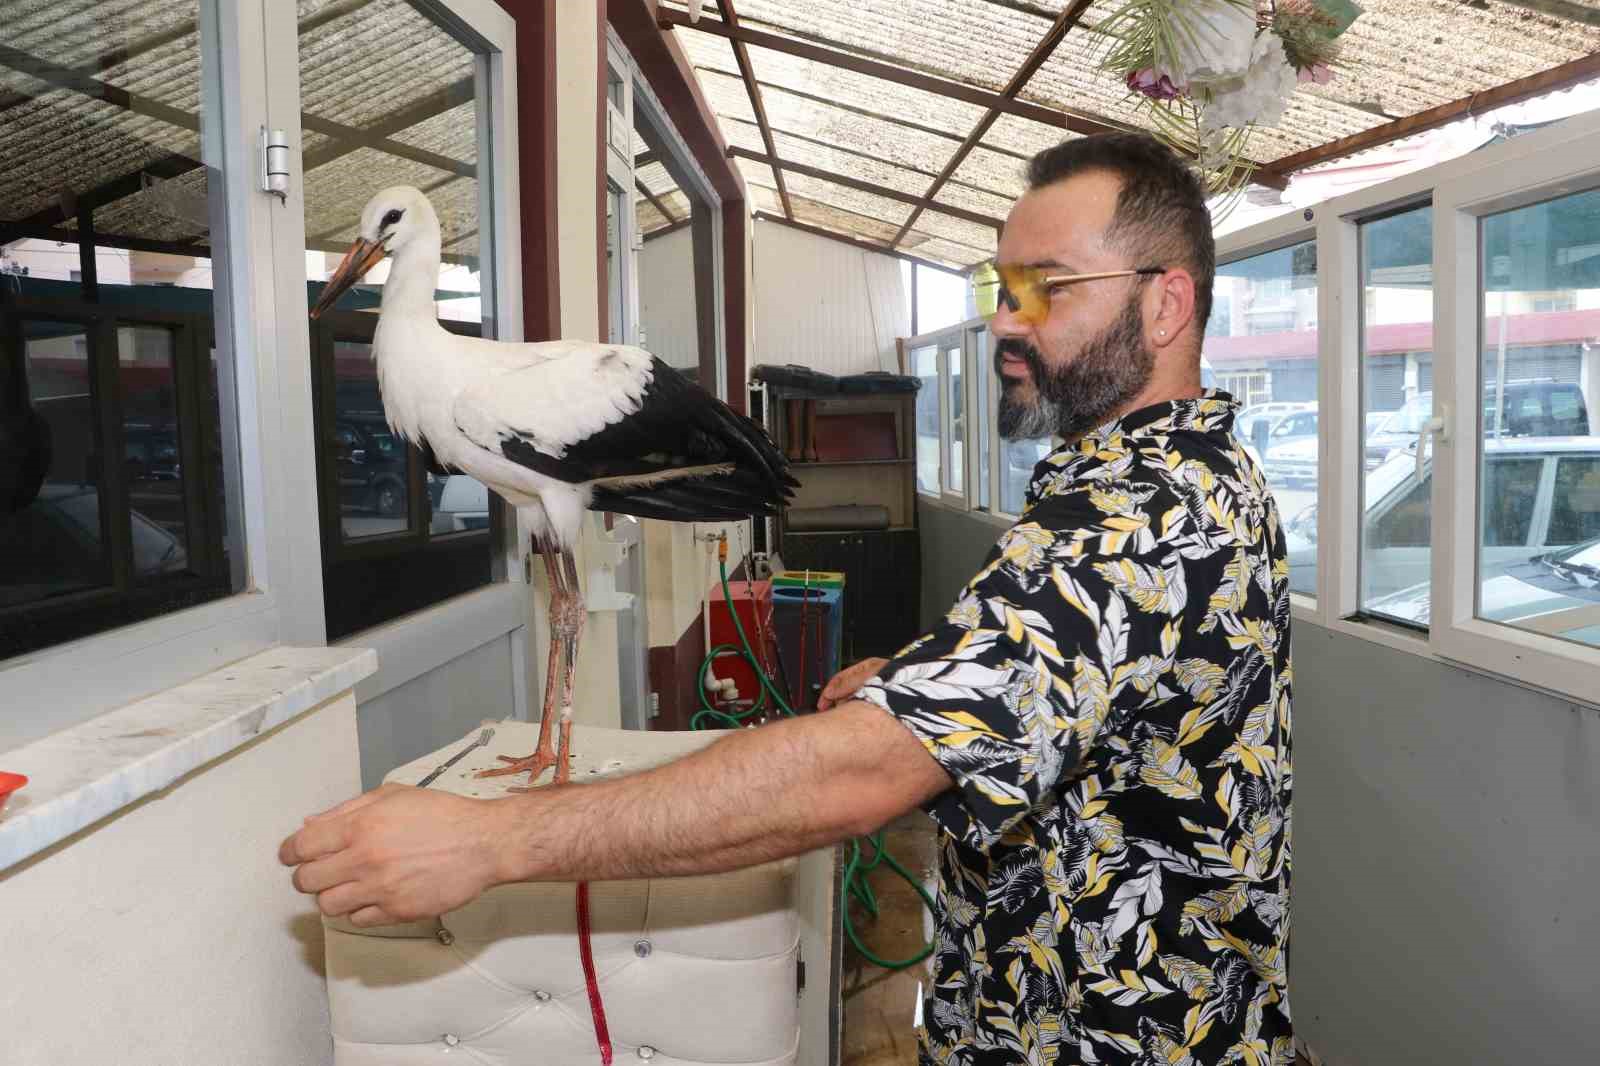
(692, 970)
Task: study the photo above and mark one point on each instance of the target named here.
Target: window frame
(265, 391)
(1458, 634)
(1537, 166)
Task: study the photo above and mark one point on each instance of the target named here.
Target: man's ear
(1169, 307)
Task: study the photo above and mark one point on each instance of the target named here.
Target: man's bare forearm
(754, 796)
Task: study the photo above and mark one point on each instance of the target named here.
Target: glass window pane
(1261, 345)
(151, 460)
(943, 298)
(396, 552)
(115, 506)
(370, 461)
(1539, 296)
(982, 424)
(1017, 460)
(1396, 388)
(53, 543)
(956, 477)
(925, 366)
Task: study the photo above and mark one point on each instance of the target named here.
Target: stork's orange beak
(362, 257)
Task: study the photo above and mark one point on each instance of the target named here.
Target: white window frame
(642, 100)
(912, 346)
(964, 336)
(1541, 165)
(1458, 634)
(265, 369)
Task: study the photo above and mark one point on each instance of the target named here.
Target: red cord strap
(597, 1009)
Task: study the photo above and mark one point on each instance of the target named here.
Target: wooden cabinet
(867, 456)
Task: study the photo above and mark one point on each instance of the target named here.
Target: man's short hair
(1161, 217)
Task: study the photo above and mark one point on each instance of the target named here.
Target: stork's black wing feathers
(678, 425)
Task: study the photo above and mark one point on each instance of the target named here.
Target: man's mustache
(1017, 349)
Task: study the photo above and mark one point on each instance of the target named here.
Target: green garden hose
(855, 883)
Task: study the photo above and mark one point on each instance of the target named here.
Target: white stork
(556, 428)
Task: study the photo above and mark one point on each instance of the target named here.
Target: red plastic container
(750, 598)
(9, 783)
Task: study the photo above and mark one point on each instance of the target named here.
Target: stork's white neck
(413, 275)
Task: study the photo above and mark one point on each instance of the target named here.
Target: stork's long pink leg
(544, 755)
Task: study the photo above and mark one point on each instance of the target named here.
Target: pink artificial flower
(1317, 73)
(1157, 86)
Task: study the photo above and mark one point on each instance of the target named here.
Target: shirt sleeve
(1042, 647)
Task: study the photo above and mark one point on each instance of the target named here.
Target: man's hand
(399, 854)
(847, 682)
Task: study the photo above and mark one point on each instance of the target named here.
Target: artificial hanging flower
(1213, 42)
(1154, 84)
(1260, 97)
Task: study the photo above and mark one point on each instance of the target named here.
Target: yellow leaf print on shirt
(1166, 770)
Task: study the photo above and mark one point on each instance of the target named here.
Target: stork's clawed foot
(535, 765)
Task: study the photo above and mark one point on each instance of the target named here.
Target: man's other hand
(847, 682)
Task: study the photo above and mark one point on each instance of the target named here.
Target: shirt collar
(1210, 412)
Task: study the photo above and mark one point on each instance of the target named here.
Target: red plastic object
(597, 1010)
(9, 783)
(750, 599)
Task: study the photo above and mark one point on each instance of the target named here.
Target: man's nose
(1007, 323)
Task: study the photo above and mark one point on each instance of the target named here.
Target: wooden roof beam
(741, 55)
(848, 182)
(1036, 59)
(833, 57)
(655, 201)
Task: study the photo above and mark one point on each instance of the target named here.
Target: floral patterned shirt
(1110, 695)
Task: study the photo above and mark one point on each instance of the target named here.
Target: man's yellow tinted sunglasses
(1025, 290)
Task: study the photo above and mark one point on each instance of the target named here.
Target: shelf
(851, 462)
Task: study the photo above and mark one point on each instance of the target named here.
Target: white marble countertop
(82, 774)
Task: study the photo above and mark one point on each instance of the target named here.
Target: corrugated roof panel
(955, 194)
(841, 221)
(980, 43)
(1003, 174)
(1025, 135)
(950, 253)
(874, 134)
(862, 203)
(716, 53)
(452, 133)
(938, 224)
(336, 193)
(361, 68)
(849, 88)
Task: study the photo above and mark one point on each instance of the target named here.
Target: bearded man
(1099, 727)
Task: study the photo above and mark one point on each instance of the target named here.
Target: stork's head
(395, 219)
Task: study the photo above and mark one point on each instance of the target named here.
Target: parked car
(372, 467)
(53, 546)
(1530, 408)
(1542, 494)
(1290, 459)
(151, 454)
(463, 505)
(1244, 423)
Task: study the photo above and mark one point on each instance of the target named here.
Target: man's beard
(1068, 401)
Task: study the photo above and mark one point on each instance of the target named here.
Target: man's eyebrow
(1051, 264)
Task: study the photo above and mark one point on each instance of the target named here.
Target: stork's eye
(391, 218)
